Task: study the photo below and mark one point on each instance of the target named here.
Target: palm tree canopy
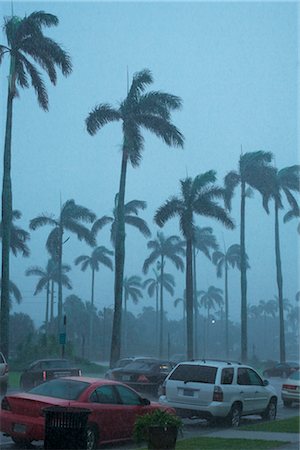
(14, 292)
(70, 219)
(132, 288)
(28, 46)
(171, 248)
(18, 236)
(131, 211)
(286, 180)
(100, 255)
(254, 169)
(197, 196)
(51, 273)
(213, 296)
(205, 240)
(232, 258)
(140, 110)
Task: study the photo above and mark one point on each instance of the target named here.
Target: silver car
(290, 391)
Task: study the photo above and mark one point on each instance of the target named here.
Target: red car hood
(32, 405)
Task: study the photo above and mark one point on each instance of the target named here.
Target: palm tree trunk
(226, 312)
(189, 298)
(125, 326)
(47, 312)
(91, 315)
(6, 222)
(52, 305)
(195, 303)
(161, 328)
(119, 266)
(60, 302)
(156, 318)
(280, 287)
(244, 333)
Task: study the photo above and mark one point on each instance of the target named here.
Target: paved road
(191, 427)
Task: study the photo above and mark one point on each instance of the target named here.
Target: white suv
(213, 389)
(3, 374)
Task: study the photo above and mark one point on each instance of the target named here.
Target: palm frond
(138, 223)
(100, 116)
(231, 180)
(171, 208)
(81, 231)
(139, 83)
(133, 206)
(100, 223)
(41, 221)
(37, 83)
(163, 129)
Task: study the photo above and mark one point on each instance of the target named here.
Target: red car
(114, 408)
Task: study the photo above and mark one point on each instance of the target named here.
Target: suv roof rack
(229, 362)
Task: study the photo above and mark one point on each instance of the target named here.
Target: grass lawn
(209, 443)
(291, 425)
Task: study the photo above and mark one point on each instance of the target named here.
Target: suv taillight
(5, 405)
(218, 394)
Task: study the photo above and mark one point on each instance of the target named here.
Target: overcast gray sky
(235, 66)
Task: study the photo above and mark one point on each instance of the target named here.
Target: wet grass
(291, 425)
(210, 443)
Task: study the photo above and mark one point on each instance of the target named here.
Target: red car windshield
(60, 388)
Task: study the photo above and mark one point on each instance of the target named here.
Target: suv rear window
(190, 372)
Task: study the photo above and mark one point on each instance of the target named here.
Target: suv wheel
(234, 417)
(271, 411)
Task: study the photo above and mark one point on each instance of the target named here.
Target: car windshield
(295, 375)
(60, 388)
(141, 365)
(192, 373)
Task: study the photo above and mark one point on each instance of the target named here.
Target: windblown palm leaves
(27, 48)
(18, 236)
(254, 171)
(197, 197)
(285, 181)
(70, 219)
(14, 293)
(131, 211)
(140, 110)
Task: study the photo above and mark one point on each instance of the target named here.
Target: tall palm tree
(253, 172)
(230, 257)
(27, 47)
(18, 236)
(132, 287)
(162, 249)
(70, 219)
(285, 181)
(100, 255)
(182, 300)
(209, 300)
(131, 211)
(204, 242)
(152, 285)
(140, 109)
(46, 277)
(197, 197)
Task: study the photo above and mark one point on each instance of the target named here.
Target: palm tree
(204, 242)
(47, 277)
(267, 308)
(182, 300)
(197, 197)
(14, 292)
(253, 171)
(25, 39)
(230, 257)
(163, 248)
(100, 255)
(70, 218)
(132, 287)
(294, 213)
(18, 236)
(151, 111)
(209, 299)
(287, 181)
(131, 211)
(153, 285)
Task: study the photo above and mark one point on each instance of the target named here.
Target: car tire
(22, 443)
(287, 403)
(234, 417)
(92, 437)
(3, 388)
(271, 410)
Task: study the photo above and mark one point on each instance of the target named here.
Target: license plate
(126, 378)
(188, 392)
(19, 428)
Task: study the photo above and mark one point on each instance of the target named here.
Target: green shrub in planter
(157, 425)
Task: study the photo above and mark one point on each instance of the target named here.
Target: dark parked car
(147, 375)
(283, 370)
(46, 369)
(124, 362)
